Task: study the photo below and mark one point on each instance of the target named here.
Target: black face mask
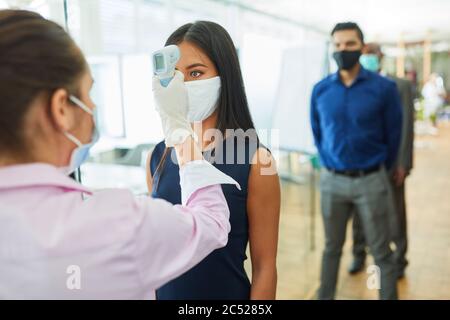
(346, 59)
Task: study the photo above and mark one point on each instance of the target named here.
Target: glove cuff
(177, 132)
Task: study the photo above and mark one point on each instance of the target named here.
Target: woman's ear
(61, 112)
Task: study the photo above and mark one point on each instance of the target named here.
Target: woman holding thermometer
(59, 239)
(220, 121)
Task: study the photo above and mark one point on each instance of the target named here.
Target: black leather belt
(356, 173)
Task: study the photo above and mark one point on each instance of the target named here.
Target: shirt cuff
(198, 174)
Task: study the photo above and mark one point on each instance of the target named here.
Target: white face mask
(203, 96)
(81, 153)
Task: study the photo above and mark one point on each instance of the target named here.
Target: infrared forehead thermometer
(164, 62)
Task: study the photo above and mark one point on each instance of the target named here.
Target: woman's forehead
(190, 54)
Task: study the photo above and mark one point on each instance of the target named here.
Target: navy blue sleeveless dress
(221, 275)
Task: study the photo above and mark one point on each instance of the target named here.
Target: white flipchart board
(302, 67)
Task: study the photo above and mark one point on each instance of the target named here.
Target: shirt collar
(35, 175)
(362, 75)
(335, 76)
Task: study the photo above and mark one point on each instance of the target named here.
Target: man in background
(355, 116)
(434, 96)
(371, 60)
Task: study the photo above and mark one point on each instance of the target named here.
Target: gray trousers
(398, 230)
(369, 197)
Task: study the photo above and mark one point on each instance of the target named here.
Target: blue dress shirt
(356, 127)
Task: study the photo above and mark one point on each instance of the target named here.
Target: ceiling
(381, 20)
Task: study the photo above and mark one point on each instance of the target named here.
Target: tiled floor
(428, 201)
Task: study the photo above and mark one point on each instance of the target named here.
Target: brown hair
(37, 57)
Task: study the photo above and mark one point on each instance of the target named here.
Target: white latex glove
(198, 174)
(172, 106)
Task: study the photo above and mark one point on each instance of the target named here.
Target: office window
(50, 9)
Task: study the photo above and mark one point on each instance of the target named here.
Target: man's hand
(399, 176)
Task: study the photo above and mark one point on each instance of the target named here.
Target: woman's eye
(195, 74)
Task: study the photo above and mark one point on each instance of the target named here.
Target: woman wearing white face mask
(54, 244)
(219, 114)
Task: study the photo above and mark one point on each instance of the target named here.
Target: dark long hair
(36, 57)
(232, 110)
(216, 43)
